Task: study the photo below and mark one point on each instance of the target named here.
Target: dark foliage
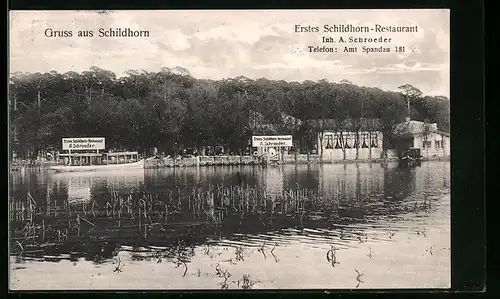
(171, 110)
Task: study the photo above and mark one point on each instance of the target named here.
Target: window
(438, 144)
(347, 142)
(364, 144)
(356, 140)
(339, 142)
(427, 144)
(374, 140)
(329, 141)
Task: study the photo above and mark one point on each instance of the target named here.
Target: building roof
(260, 124)
(282, 118)
(443, 133)
(415, 127)
(362, 124)
(290, 120)
(266, 129)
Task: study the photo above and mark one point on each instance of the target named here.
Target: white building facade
(364, 145)
(425, 136)
(433, 144)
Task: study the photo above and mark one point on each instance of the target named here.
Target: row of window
(351, 141)
(437, 144)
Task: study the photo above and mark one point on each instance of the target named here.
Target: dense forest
(171, 109)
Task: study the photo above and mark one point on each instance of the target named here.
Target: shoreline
(232, 161)
(222, 161)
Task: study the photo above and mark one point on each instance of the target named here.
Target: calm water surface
(317, 226)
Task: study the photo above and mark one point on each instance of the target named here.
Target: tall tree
(171, 109)
(411, 94)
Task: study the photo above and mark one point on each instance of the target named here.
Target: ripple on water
(380, 221)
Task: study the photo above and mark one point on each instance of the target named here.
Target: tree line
(170, 109)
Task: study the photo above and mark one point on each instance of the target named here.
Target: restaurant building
(348, 139)
(431, 141)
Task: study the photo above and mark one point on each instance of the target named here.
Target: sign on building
(272, 141)
(84, 143)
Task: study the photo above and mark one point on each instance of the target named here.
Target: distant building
(260, 124)
(348, 139)
(425, 136)
(361, 145)
(282, 124)
(355, 139)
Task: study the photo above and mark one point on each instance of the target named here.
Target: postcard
(229, 149)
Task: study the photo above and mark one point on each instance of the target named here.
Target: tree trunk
(320, 136)
(370, 145)
(343, 145)
(296, 145)
(356, 144)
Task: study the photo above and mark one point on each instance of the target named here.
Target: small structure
(410, 157)
(272, 146)
(348, 139)
(80, 156)
(361, 145)
(280, 124)
(414, 134)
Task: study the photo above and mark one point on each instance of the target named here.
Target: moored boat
(78, 168)
(410, 158)
(84, 162)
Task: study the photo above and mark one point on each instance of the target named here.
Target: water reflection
(177, 215)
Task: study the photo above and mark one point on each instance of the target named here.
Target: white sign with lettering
(272, 141)
(84, 143)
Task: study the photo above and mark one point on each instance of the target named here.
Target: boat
(79, 168)
(410, 158)
(84, 162)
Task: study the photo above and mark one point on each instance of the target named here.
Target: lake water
(250, 227)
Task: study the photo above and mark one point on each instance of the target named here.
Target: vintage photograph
(229, 150)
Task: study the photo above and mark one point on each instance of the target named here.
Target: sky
(251, 43)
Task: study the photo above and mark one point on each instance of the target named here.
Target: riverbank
(226, 160)
(30, 165)
(251, 160)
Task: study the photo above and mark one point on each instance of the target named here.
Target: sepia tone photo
(229, 150)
